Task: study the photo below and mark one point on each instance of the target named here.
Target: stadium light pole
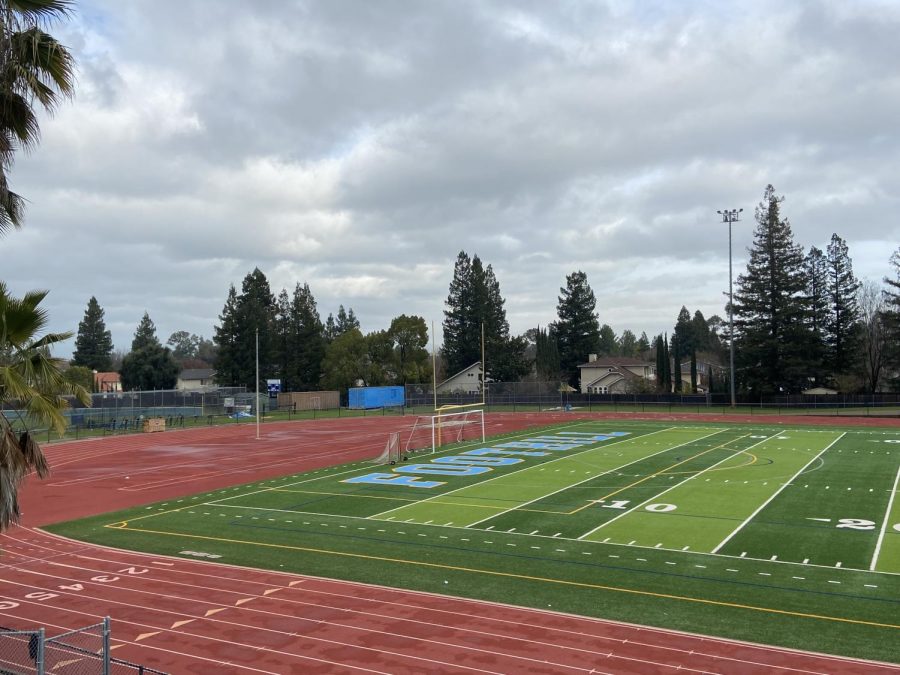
(730, 217)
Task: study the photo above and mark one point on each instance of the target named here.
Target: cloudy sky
(359, 145)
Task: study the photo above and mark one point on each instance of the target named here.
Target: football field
(775, 534)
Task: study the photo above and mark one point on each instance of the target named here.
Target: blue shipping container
(376, 397)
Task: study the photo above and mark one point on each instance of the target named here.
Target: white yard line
(775, 494)
(887, 515)
(659, 494)
(513, 508)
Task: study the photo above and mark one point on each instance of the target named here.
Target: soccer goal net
(431, 432)
(391, 452)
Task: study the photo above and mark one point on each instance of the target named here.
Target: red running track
(189, 616)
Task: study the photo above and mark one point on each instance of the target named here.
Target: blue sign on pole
(274, 386)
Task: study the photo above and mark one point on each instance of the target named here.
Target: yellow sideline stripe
(456, 568)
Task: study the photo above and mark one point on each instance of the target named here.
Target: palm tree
(34, 68)
(30, 380)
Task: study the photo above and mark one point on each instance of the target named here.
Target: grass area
(786, 536)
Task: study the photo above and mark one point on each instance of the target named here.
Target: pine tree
(244, 314)
(255, 312)
(145, 335)
(770, 306)
(841, 324)
(627, 344)
(816, 271)
(643, 345)
(546, 359)
(149, 365)
(607, 344)
(577, 328)
(309, 339)
(667, 365)
(676, 363)
(225, 338)
(474, 302)
(660, 361)
(684, 332)
(93, 345)
(462, 344)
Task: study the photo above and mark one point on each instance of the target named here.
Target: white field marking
(775, 494)
(562, 489)
(681, 482)
(799, 578)
(575, 453)
(887, 514)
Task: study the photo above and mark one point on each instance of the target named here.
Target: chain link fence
(85, 651)
(542, 396)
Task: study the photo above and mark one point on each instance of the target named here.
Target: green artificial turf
(616, 526)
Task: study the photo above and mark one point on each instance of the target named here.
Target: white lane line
(775, 494)
(887, 514)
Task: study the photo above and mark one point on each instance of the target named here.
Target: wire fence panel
(19, 651)
(85, 651)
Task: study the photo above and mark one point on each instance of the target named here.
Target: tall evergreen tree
(577, 327)
(149, 365)
(676, 364)
(225, 338)
(255, 311)
(660, 361)
(700, 333)
(475, 301)
(770, 307)
(667, 365)
(242, 316)
(684, 332)
(842, 322)
(546, 358)
(145, 335)
(93, 344)
(308, 333)
(815, 268)
(607, 344)
(643, 345)
(628, 344)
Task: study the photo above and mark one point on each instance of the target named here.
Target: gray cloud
(360, 146)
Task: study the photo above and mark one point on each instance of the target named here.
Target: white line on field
(775, 494)
(887, 514)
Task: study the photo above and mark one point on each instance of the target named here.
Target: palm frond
(12, 209)
(41, 10)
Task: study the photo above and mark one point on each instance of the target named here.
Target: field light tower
(730, 217)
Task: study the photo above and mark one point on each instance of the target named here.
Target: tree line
(801, 319)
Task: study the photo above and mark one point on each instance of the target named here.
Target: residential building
(616, 375)
(466, 381)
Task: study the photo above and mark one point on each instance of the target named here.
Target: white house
(196, 378)
(615, 374)
(466, 381)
